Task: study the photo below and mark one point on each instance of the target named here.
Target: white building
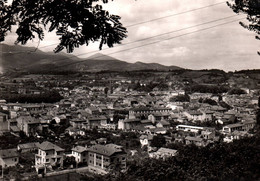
(163, 153)
(80, 154)
(48, 155)
(145, 140)
(189, 128)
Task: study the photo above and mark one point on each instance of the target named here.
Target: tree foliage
(76, 22)
(252, 9)
(236, 91)
(180, 98)
(238, 160)
(208, 101)
(258, 112)
(47, 97)
(158, 141)
(214, 89)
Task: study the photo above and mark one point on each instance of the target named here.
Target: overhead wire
(176, 14)
(151, 37)
(135, 24)
(158, 41)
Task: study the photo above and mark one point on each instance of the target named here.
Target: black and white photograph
(133, 90)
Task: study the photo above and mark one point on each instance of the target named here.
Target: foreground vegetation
(239, 160)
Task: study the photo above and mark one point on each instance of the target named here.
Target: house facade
(48, 155)
(80, 154)
(27, 124)
(9, 157)
(103, 158)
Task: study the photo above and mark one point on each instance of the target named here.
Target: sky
(228, 46)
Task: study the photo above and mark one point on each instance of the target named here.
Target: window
(123, 158)
(47, 160)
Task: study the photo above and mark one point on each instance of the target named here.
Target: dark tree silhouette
(158, 141)
(252, 9)
(258, 112)
(77, 22)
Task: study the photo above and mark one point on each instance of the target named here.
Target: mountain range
(28, 59)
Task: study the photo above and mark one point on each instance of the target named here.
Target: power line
(48, 45)
(163, 17)
(204, 29)
(151, 37)
(158, 35)
(143, 22)
(176, 14)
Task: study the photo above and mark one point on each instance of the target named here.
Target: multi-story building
(144, 112)
(194, 115)
(242, 126)
(80, 154)
(28, 124)
(103, 158)
(48, 155)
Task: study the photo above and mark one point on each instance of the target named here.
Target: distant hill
(19, 58)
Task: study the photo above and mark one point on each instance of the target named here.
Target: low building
(145, 140)
(189, 128)
(158, 130)
(194, 115)
(236, 135)
(93, 110)
(164, 124)
(9, 157)
(144, 111)
(163, 153)
(208, 134)
(96, 121)
(128, 124)
(28, 147)
(194, 140)
(232, 127)
(109, 126)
